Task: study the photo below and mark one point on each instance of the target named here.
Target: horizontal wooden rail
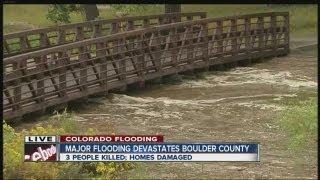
(31, 40)
(37, 80)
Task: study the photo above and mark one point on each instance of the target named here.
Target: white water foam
(164, 107)
(120, 99)
(250, 75)
(253, 104)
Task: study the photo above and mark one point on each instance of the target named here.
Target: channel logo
(40, 148)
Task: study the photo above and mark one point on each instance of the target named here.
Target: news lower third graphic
(40, 148)
(134, 148)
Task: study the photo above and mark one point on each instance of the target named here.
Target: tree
(60, 13)
(91, 11)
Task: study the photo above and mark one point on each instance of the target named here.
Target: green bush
(15, 168)
(299, 119)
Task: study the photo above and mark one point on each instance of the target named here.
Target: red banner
(112, 138)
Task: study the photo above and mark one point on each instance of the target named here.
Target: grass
(299, 120)
(15, 168)
(303, 18)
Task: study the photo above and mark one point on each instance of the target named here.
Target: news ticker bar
(133, 148)
(158, 157)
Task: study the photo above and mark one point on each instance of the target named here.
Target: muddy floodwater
(237, 105)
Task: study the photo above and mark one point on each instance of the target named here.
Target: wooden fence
(31, 40)
(37, 80)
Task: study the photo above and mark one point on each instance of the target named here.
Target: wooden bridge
(58, 71)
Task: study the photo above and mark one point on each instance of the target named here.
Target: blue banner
(159, 148)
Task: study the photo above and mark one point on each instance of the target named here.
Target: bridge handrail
(97, 22)
(44, 41)
(135, 32)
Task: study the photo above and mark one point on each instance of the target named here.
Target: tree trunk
(172, 8)
(91, 11)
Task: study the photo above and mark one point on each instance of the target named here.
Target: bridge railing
(40, 79)
(31, 40)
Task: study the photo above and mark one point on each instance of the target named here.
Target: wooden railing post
(141, 59)
(24, 43)
(161, 20)
(234, 41)
(96, 30)
(79, 33)
(122, 62)
(61, 37)
(83, 57)
(117, 50)
(101, 54)
(44, 41)
(273, 31)
(287, 32)
(219, 38)
(6, 46)
(205, 44)
(17, 88)
(40, 61)
(247, 34)
(115, 29)
(8, 97)
(261, 32)
(178, 17)
(204, 15)
(189, 43)
(172, 38)
(146, 23)
(62, 61)
(155, 44)
(166, 19)
(130, 25)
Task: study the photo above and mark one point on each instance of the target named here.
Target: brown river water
(237, 105)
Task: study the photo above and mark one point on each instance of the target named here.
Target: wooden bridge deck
(37, 80)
